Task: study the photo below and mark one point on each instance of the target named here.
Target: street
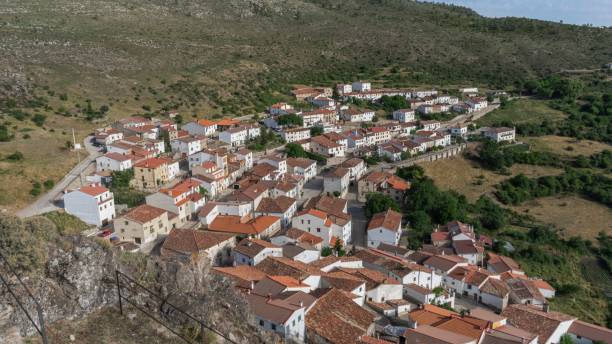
(45, 202)
(359, 220)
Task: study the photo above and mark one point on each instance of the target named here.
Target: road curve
(44, 203)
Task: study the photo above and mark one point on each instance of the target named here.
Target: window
(261, 322)
(125, 222)
(318, 230)
(273, 327)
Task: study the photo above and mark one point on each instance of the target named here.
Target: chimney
(545, 307)
(252, 285)
(269, 296)
(301, 304)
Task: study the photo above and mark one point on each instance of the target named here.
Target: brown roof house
(385, 227)
(253, 251)
(549, 326)
(335, 319)
(142, 224)
(336, 181)
(192, 243)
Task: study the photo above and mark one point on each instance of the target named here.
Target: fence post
(202, 334)
(119, 292)
(41, 321)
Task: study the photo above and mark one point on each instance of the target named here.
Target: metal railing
(40, 327)
(125, 282)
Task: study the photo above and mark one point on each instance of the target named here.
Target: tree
(316, 131)
(566, 339)
(376, 203)
(411, 173)
(438, 291)
(291, 120)
(326, 251)
(294, 150)
(338, 248)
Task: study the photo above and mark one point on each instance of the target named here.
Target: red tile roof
(93, 190)
(144, 213)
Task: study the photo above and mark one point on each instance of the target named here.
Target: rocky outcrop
(79, 278)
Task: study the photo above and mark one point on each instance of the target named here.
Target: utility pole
(77, 148)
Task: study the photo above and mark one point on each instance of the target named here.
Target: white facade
(379, 235)
(384, 292)
(113, 162)
(361, 86)
(241, 259)
(358, 116)
(292, 135)
(336, 184)
(315, 225)
(404, 115)
(205, 128)
(460, 131)
(94, 205)
(187, 146)
(235, 136)
(501, 134)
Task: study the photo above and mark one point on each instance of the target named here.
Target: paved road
(468, 118)
(45, 203)
(359, 221)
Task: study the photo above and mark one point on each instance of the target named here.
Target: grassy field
(522, 111)
(566, 146)
(45, 158)
(108, 326)
(468, 178)
(572, 215)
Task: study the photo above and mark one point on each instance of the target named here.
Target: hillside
(81, 63)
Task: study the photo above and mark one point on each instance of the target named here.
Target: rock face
(79, 278)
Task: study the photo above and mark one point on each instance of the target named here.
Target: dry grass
(45, 157)
(469, 179)
(572, 215)
(566, 146)
(108, 326)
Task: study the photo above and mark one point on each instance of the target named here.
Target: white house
(280, 316)
(183, 199)
(344, 88)
(500, 134)
(357, 168)
(295, 134)
(113, 162)
(303, 167)
(477, 103)
(431, 125)
(326, 226)
(336, 181)
(324, 146)
(356, 115)
(93, 204)
(187, 145)
(202, 127)
(323, 102)
(426, 296)
(361, 86)
(385, 227)
(234, 136)
(276, 161)
(279, 109)
(404, 115)
(459, 131)
(252, 251)
(282, 206)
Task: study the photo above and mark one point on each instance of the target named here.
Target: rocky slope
(79, 279)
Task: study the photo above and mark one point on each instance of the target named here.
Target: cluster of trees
(555, 87)
(91, 113)
(496, 157)
(267, 139)
(294, 150)
(124, 194)
(377, 202)
(291, 120)
(601, 160)
(520, 188)
(589, 117)
(5, 134)
(426, 205)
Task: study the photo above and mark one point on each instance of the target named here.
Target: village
(275, 203)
